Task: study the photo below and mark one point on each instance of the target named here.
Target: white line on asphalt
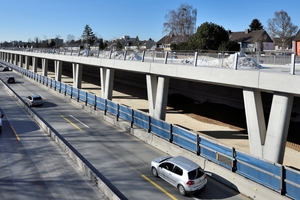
(79, 121)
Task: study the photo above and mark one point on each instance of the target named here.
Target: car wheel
(154, 172)
(181, 190)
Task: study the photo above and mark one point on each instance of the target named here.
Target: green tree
(119, 45)
(281, 26)
(101, 44)
(255, 25)
(209, 36)
(229, 46)
(88, 36)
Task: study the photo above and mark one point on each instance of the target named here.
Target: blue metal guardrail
(280, 178)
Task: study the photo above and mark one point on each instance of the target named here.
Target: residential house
(141, 45)
(165, 42)
(252, 41)
(296, 44)
(279, 45)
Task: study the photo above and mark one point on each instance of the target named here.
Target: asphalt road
(31, 165)
(121, 158)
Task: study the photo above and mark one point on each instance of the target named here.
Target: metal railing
(203, 58)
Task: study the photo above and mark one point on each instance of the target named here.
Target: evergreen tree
(209, 36)
(255, 25)
(101, 44)
(88, 36)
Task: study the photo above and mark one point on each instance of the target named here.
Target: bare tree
(181, 22)
(281, 26)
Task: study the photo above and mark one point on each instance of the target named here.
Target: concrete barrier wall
(232, 180)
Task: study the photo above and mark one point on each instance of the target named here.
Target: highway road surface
(37, 162)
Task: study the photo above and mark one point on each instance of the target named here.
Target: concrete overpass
(266, 140)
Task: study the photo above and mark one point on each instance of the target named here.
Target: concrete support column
(26, 62)
(77, 75)
(58, 69)
(15, 59)
(20, 60)
(107, 82)
(278, 126)
(10, 58)
(44, 66)
(255, 118)
(157, 89)
(34, 64)
(268, 143)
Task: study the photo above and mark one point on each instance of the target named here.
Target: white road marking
(79, 121)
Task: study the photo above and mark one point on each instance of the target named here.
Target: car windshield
(37, 98)
(164, 160)
(197, 173)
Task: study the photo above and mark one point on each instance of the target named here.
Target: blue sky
(27, 19)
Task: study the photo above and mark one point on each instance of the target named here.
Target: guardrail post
(195, 58)
(86, 98)
(282, 180)
(233, 165)
(125, 54)
(132, 118)
(235, 61)
(95, 102)
(149, 123)
(293, 64)
(198, 145)
(110, 52)
(143, 56)
(105, 106)
(171, 134)
(118, 111)
(166, 58)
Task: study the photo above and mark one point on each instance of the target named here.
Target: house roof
(169, 39)
(297, 37)
(250, 36)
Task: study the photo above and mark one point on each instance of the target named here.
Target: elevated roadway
(267, 140)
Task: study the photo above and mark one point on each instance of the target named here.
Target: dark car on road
(34, 100)
(10, 79)
(5, 69)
